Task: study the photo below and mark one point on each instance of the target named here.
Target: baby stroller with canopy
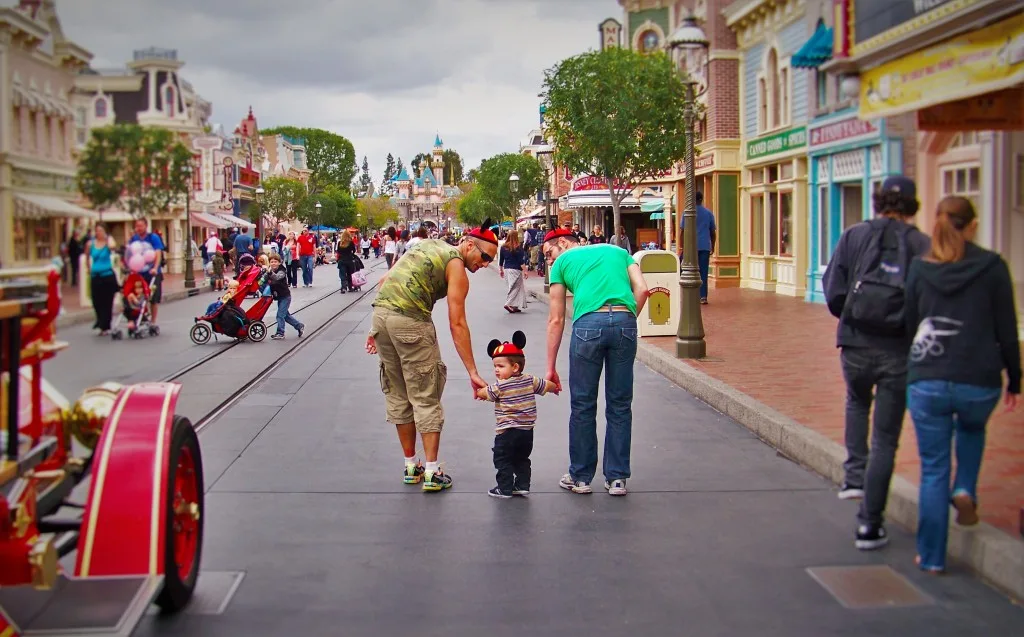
(227, 316)
(138, 310)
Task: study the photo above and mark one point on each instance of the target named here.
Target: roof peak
(437, 140)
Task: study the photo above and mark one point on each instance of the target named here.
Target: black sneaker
(871, 537)
(521, 492)
(301, 329)
(437, 481)
(495, 492)
(850, 492)
(277, 337)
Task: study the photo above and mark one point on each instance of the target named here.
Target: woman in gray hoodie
(960, 308)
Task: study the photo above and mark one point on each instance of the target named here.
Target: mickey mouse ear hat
(496, 348)
(484, 232)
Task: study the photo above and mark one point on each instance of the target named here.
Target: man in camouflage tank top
(412, 375)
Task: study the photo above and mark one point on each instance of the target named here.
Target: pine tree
(365, 181)
(399, 167)
(389, 168)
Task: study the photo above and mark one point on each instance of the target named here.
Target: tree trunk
(616, 207)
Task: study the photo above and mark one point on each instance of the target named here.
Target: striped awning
(816, 51)
(42, 206)
(210, 220)
(235, 222)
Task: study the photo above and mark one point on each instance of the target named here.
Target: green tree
(330, 157)
(453, 167)
(375, 212)
(624, 136)
(418, 164)
(365, 181)
(493, 182)
(389, 169)
(399, 167)
(280, 200)
(147, 168)
(473, 208)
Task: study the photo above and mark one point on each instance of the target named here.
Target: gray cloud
(386, 74)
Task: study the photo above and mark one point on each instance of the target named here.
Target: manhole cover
(859, 587)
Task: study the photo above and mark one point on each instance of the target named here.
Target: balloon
(136, 263)
(149, 255)
(137, 247)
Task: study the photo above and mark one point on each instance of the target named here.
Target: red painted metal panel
(123, 525)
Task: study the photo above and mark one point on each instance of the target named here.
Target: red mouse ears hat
(484, 232)
(496, 348)
(559, 232)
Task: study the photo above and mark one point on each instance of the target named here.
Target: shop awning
(537, 213)
(234, 222)
(657, 216)
(816, 51)
(653, 206)
(208, 220)
(115, 215)
(41, 207)
(603, 199)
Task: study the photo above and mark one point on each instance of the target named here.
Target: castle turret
(438, 160)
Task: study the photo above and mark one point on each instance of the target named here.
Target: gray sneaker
(580, 487)
(615, 487)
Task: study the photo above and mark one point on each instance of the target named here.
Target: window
(786, 170)
(965, 139)
(821, 90)
(773, 223)
(762, 96)
(100, 108)
(197, 175)
(81, 137)
(16, 127)
(963, 181)
(783, 97)
(786, 223)
(80, 116)
(757, 176)
(824, 222)
(169, 102)
(649, 41)
(853, 204)
(772, 73)
(757, 224)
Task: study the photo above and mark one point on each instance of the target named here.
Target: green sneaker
(413, 474)
(436, 481)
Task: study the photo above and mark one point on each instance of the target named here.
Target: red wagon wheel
(184, 504)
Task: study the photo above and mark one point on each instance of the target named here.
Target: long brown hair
(953, 217)
(346, 239)
(512, 240)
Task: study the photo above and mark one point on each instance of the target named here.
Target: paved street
(716, 537)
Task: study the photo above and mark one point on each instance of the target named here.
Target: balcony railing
(248, 177)
(155, 53)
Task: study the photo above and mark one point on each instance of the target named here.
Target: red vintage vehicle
(137, 535)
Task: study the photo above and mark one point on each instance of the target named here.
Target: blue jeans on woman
(601, 340)
(941, 411)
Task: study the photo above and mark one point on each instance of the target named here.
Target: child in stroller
(137, 311)
(227, 317)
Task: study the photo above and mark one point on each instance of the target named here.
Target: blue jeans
(601, 340)
(942, 410)
(284, 317)
(704, 262)
(307, 270)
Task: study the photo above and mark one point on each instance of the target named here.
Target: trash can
(660, 316)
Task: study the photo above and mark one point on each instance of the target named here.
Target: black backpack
(875, 302)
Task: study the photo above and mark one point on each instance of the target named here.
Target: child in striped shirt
(515, 410)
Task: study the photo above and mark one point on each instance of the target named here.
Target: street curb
(85, 315)
(993, 554)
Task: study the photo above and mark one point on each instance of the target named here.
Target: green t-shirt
(597, 275)
(417, 281)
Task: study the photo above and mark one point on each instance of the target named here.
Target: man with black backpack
(864, 288)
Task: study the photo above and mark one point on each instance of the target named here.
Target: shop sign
(43, 181)
(843, 131)
(776, 143)
(1001, 110)
(591, 182)
(704, 162)
(871, 17)
(248, 177)
(979, 62)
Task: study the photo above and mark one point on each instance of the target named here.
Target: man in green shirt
(412, 374)
(608, 292)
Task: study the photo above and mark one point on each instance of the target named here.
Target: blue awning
(816, 51)
(654, 205)
(656, 216)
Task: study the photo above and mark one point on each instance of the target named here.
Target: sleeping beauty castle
(422, 199)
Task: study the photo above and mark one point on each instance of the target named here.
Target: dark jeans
(943, 411)
(703, 262)
(104, 289)
(512, 449)
(293, 273)
(344, 275)
(283, 316)
(884, 373)
(601, 341)
(306, 263)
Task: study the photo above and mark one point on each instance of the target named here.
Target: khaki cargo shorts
(412, 375)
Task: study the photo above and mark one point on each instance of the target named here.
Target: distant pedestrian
(961, 311)
(515, 410)
(622, 240)
(348, 261)
(391, 246)
(512, 267)
(597, 236)
(307, 253)
(279, 288)
(364, 245)
(608, 293)
(375, 245)
(536, 237)
(242, 245)
(291, 259)
(865, 289)
(707, 236)
(99, 253)
(153, 272)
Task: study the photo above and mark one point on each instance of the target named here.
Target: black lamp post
(319, 226)
(190, 274)
(547, 209)
(689, 38)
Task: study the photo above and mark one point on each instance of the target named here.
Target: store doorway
(852, 204)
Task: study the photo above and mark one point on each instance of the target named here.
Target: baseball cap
(903, 185)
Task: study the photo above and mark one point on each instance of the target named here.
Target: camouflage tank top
(417, 281)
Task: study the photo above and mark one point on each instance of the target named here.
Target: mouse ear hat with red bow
(496, 348)
(484, 232)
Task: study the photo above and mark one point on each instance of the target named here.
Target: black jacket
(842, 268)
(279, 283)
(964, 321)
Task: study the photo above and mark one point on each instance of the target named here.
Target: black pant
(104, 289)
(345, 275)
(880, 375)
(293, 272)
(512, 450)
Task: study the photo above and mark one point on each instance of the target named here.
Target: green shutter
(728, 215)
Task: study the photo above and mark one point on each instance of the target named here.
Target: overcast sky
(386, 74)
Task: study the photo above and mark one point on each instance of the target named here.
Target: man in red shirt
(307, 252)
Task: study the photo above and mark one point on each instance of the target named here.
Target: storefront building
(773, 187)
(957, 67)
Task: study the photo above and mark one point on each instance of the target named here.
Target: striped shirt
(514, 404)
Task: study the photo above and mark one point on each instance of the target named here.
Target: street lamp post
(689, 38)
(547, 211)
(513, 187)
(260, 200)
(319, 226)
(190, 274)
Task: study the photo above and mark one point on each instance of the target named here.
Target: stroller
(138, 310)
(227, 317)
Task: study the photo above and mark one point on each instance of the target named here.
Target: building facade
(37, 167)
(956, 67)
(250, 162)
(424, 199)
(773, 126)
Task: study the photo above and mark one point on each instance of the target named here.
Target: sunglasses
(486, 258)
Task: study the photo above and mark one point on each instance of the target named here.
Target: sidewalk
(781, 353)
